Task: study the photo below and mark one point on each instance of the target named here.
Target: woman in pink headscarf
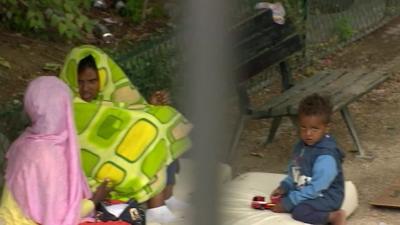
(44, 180)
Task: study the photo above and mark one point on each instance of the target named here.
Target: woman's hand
(101, 192)
(160, 98)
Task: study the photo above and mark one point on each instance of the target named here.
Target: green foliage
(344, 29)
(153, 74)
(296, 11)
(64, 16)
(134, 10)
(152, 65)
(12, 118)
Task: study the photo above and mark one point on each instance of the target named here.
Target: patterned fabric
(130, 146)
(122, 137)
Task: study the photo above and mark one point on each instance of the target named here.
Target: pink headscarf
(43, 172)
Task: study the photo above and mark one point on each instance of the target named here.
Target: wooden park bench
(265, 44)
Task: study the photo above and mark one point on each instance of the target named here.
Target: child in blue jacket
(313, 191)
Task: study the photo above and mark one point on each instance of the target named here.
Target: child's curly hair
(316, 105)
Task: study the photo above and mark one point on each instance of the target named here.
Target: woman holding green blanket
(123, 137)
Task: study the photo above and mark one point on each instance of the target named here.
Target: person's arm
(287, 184)
(324, 172)
(88, 205)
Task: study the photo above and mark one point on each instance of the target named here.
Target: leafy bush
(64, 16)
(344, 29)
(134, 10)
(152, 64)
(139, 10)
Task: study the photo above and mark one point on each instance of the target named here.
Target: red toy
(260, 203)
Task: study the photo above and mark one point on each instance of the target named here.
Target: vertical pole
(205, 80)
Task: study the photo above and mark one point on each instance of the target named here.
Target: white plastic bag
(278, 11)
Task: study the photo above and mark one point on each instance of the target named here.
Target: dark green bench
(261, 43)
(342, 86)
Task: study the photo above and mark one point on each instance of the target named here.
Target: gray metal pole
(205, 71)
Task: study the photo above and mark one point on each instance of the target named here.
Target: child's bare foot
(337, 217)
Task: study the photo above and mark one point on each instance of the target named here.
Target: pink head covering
(43, 172)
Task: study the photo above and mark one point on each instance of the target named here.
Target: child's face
(312, 128)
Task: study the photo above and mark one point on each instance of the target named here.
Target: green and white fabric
(114, 84)
(123, 138)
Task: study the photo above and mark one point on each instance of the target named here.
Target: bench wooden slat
(336, 84)
(251, 25)
(263, 39)
(265, 110)
(373, 80)
(343, 88)
(268, 57)
(309, 89)
(357, 90)
(346, 96)
(294, 96)
(299, 89)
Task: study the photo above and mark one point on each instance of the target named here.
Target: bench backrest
(260, 43)
(263, 43)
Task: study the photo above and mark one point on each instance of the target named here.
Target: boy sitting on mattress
(313, 191)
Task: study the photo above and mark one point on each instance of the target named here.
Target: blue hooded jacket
(315, 176)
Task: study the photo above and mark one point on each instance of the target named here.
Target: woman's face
(88, 81)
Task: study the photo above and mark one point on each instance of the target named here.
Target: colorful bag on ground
(132, 214)
(105, 223)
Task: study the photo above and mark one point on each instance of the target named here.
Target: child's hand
(278, 191)
(160, 98)
(278, 208)
(102, 192)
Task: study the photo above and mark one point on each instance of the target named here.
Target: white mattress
(184, 181)
(237, 195)
(239, 192)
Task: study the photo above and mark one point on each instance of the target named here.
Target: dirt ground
(376, 117)
(26, 57)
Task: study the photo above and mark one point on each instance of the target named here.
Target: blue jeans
(172, 170)
(307, 214)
